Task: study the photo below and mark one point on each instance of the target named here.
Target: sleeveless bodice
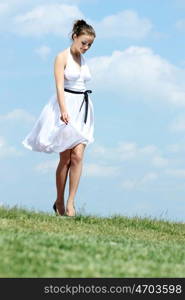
(75, 77)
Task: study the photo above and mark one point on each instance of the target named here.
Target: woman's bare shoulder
(61, 57)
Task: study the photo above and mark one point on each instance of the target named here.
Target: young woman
(66, 123)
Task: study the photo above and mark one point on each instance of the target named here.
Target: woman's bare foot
(70, 210)
(60, 208)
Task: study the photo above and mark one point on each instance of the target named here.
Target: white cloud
(124, 151)
(17, 4)
(3, 8)
(149, 158)
(149, 177)
(159, 161)
(178, 124)
(8, 8)
(128, 184)
(129, 151)
(44, 19)
(180, 25)
(89, 169)
(100, 170)
(26, 19)
(150, 153)
(139, 73)
(175, 148)
(6, 150)
(99, 149)
(178, 173)
(149, 149)
(43, 52)
(46, 167)
(134, 159)
(125, 24)
(17, 13)
(18, 115)
(131, 184)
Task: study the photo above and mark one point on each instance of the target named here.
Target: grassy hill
(43, 245)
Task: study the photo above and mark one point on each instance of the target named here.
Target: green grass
(43, 245)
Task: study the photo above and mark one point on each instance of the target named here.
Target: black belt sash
(85, 99)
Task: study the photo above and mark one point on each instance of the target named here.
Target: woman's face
(83, 42)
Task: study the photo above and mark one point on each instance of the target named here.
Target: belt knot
(85, 99)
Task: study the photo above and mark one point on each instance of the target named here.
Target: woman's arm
(59, 66)
(59, 80)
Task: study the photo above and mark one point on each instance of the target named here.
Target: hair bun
(79, 23)
(81, 27)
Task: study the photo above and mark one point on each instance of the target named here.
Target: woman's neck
(74, 52)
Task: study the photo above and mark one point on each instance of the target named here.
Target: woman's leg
(61, 177)
(74, 176)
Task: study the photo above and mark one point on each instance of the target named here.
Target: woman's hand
(65, 117)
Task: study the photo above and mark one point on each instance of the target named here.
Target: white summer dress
(49, 133)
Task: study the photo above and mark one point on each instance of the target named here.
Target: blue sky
(136, 166)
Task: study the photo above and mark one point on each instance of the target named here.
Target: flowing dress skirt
(50, 134)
